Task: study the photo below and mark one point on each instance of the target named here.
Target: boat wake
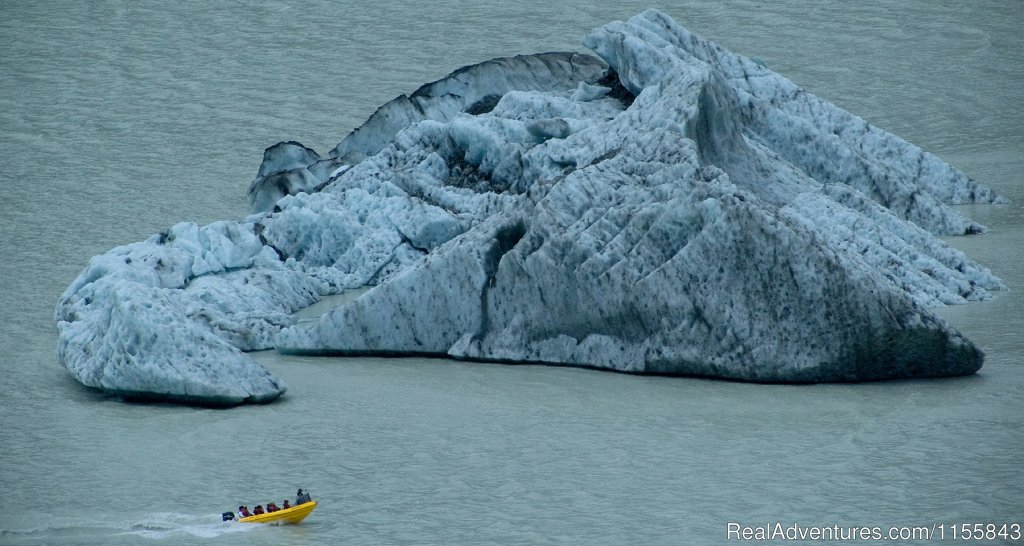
(156, 526)
(164, 525)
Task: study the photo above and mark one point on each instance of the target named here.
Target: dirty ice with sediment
(666, 206)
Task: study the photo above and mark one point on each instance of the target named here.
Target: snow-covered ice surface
(671, 207)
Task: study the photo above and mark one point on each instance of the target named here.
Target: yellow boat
(293, 514)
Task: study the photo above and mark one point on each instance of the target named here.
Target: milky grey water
(119, 119)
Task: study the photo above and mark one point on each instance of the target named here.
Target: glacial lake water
(119, 119)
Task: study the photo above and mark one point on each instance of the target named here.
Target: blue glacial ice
(670, 207)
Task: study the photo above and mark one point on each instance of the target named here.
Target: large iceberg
(670, 207)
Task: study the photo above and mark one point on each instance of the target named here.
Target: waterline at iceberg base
(665, 207)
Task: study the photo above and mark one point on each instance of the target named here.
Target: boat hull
(293, 514)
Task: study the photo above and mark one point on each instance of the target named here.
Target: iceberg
(665, 207)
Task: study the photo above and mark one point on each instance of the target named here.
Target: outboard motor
(227, 516)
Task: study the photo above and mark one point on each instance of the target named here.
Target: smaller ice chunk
(585, 92)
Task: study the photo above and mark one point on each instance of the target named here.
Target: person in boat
(243, 511)
(302, 497)
(271, 507)
(258, 510)
(286, 505)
